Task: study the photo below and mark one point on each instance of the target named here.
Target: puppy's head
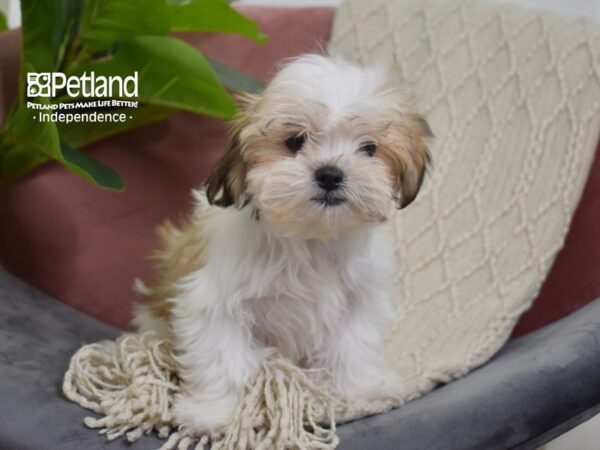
(323, 150)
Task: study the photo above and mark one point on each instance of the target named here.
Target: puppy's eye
(295, 143)
(368, 148)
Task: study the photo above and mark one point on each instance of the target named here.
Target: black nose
(329, 178)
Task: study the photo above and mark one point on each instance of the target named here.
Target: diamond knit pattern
(513, 98)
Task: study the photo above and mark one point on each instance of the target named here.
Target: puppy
(284, 251)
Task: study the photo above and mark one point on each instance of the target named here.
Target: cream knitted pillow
(513, 99)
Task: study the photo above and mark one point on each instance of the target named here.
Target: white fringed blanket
(513, 98)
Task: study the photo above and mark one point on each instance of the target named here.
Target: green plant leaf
(47, 26)
(171, 73)
(3, 22)
(26, 142)
(235, 80)
(90, 169)
(215, 16)
(82, 133)
(106, 21)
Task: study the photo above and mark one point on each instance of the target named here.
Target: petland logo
(85, 98)
(48, 84)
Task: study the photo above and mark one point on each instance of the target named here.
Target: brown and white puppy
(284, 251)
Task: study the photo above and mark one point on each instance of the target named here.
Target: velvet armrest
(537, 387)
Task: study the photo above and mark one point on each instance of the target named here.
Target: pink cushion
(85, 246)
(9, 73)
(574, 279)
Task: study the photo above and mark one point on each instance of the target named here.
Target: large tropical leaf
(3, 22)
(92, 170)
(128, 36)
(27, 142)
(215, 16)
(47, 26)
(106, 21)
(235, 80)
(171, 73)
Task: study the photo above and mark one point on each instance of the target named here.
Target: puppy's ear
(416, 158)
(226, 183)
(407, 156)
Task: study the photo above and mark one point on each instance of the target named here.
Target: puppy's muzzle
(330, 180)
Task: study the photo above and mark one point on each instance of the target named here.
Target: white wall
(12, 11)
(582, 8)
(293, 2)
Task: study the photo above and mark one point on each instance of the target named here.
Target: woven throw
(513, 98)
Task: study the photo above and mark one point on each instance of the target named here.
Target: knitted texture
(132, 383)
(513, 98)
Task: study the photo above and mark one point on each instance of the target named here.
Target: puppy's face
(323, 150)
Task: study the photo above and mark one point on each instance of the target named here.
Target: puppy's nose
(329, 178)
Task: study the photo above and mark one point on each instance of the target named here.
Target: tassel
(132, 382)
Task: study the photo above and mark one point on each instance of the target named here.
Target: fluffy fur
(273, 261)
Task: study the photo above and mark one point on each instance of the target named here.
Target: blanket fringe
(131, 383)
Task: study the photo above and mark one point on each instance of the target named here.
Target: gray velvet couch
(539, 386)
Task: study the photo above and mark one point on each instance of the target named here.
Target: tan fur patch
(404, 150)
(226, 183)
(271, 124)
(181, 254)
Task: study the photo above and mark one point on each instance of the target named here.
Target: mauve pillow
(574, 279)
(85, 246)
(9, 73)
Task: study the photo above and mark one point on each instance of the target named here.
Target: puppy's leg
(217, 356)
(354, 354)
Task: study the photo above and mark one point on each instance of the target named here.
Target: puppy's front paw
(200, 415)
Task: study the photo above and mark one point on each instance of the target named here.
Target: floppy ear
(408, 156)
(406, 151)
(226, 183)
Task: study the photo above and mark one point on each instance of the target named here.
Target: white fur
(321, 299)
(320, 303)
